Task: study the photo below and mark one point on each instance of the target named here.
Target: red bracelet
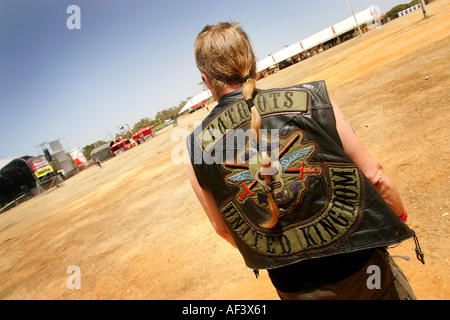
(403, 217)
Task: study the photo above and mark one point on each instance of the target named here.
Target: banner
(40, 166)
(77, 156)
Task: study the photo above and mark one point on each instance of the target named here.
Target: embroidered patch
(289, 156)
(269, 102)
(329, 225)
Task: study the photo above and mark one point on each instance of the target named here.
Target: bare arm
(209, 205)
(370, 165)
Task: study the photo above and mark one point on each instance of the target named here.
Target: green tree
(393, 13)
(171, 113)
(143, 123)
(88, 149)
(161, 116)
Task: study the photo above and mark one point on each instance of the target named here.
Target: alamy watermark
(374, 280)
(74, 20)
(74, 280)
(214, 149)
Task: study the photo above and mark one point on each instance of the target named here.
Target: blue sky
(129, 60)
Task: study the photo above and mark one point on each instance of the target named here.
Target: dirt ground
(136, 230)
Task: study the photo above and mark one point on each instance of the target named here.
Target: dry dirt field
(136, 230)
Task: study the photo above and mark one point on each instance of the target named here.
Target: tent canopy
(318, 38)
(204, 95)
(143, 134)
(146, 130)
(103, 152)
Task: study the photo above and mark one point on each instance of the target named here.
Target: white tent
(204, 95)
(288, 52)
(320, 37)
(265, 63)
(363, 17)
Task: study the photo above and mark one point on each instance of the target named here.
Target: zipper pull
(419, 252)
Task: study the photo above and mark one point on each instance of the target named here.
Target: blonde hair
(224, 53)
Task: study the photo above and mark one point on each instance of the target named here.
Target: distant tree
(393, 13)
(126, 135)
(143, 123)
(171, 113)
(161, 116)
(88, 149)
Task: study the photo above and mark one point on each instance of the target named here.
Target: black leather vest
(326, 204)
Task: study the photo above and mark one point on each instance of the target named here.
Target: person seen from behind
(284, 179)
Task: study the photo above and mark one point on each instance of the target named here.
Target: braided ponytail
(248, 91)
(225, 55)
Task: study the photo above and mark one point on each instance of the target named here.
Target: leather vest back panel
(326, 204)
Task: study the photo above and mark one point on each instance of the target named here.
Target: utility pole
(357, 25)
(110, 135)
(424, 9)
